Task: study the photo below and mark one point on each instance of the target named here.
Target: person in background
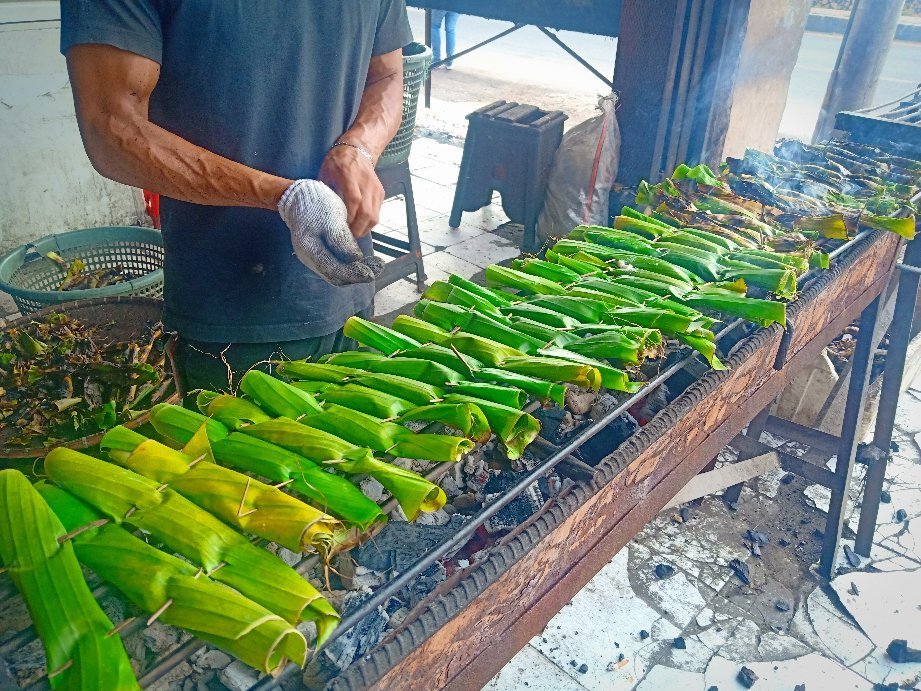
(259, 124)
(450, 21)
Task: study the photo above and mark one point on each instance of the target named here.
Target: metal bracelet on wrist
(362, 150)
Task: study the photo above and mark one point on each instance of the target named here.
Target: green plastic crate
(416, 60)
(31, 279)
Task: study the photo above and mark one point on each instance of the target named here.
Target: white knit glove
(320, 234)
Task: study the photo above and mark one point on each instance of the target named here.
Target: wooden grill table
(462, 637)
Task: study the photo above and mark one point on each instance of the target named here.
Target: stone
(664, 571)
(238, 676)
(747, 677)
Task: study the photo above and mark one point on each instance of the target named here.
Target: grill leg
(412, 226)
(899, 338)
(755, 428)
(853, 411)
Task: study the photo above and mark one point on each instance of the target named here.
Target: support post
(861, 58)
(899, 338)
(847, 451)
(755, 428)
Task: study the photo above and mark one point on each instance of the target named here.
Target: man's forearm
(142, 154)
(381, 108)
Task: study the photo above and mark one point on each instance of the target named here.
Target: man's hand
(321, 237)
(347, 171)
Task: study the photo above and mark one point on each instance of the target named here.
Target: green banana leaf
(555, 370)
(506, 395)
(420, 330)
(504, 277)
(483, 349)
(704, 346)
(545, 269)
(544, 391)
(425, 371)
(584, 310)
(763, 312)
(545, 334)
(781, 282)
(611, 377)
(79, 652)
(277, 397)
(514, 428)
(496, 297)
(442, 291)
(466, 417)
(151, 579)
(541, 315)
(444, 356)
(376, 403)
(375, 336)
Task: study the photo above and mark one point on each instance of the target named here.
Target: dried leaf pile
(78, 277)
(62, 380)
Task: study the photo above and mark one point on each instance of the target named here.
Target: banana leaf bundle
(227, 556)
(247, 504)
(37, 553)
(175, 591)
(514, 428)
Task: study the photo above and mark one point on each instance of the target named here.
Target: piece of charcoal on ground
(782, 606)
(594, 450)
(747, 677)
(854, 590)
(783, 542)
(901, 515)
(740, 568)
(551, 420)
(891, 686)
(799, 687)
(852, 558)
(788, 478)
(644, 634)
(755, 537)
(885, 497)
(679, 644)
(898, 651)
(583, 668)
(664, 571)
(818, 534)
(685, 513)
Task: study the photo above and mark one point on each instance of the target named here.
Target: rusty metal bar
(810, 436)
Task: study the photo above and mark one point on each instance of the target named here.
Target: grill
(895, 125)
(521, 580)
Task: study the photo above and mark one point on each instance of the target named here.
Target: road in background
(527, 67)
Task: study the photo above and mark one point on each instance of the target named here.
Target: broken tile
(705, 618)
(678, 598)
(397, 295)
(776, 646)
(813, 670)
(440, 265)
(532, 670)
(878, 668)
(742, 645)
(436, 231)
(837, 634)
(661, 677)
(887, 606)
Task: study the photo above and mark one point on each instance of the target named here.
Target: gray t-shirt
(271, 84)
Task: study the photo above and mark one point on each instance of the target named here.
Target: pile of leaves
(78, 277)
(61, 380)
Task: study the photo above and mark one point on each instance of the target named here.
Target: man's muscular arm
(345, 169)
(112, 90)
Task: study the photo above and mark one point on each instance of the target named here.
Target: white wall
(46, 181)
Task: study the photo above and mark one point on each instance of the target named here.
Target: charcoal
(740, 568)
(664, 571)
(400, 544)
(644, 634)
(607, 440)
(362, 637)
(685, 514)
(550, 421)
(783, 542)
(756, 537)
(782, 606)
(423, 584)
(747, 677)
(521, 508)
(679, 644)
(788, 478)
(852, 558)
(891, 686)
(799, 687)
(583, 668)
(885, 497)
(899, 651)
(901, 515)
(854, 590)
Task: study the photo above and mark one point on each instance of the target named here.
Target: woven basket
(32, 279)
(120, 318)
(416, 60)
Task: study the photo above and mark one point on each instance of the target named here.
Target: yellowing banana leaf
(506, 395)
(375, 336)
(420, 330)
(151, 579)
(250, 505)
(442, 291)
(194, 533)
(763, 312)
(514, 428)
(413, 492)
(330, 492)
(832, 226)
(496, 297)
(555, 370)
(425, 371)
(611, 377)
(277, 397)
(483, 349)
(905, 227)
(443, 356)
(544, 269)
(79, 652)
(781, 282)
(503, 277)
(180, 424)
(312, 371)
(544, 391)
(466, 417)
(377, 403)
(235, 413)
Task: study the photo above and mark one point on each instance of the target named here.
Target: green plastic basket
(416, 60)
(32, 279)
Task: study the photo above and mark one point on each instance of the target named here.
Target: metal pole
(863, 52)
(847, 451)
(899, 338)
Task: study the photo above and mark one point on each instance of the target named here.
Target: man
(259, 122)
